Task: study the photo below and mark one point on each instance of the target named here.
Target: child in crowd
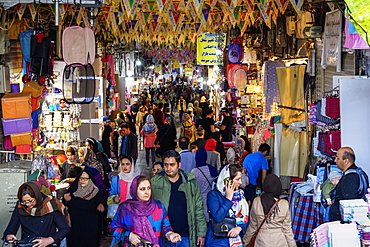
(326, 188)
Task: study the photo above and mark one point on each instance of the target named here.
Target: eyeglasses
(29, 202)
(84, 179)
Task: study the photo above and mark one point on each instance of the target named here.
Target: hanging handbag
(221, 229)
(254, 237)
(112, 208)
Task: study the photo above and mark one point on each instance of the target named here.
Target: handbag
(112, 208)
(254, 237)
(221, 229)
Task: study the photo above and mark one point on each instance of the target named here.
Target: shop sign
(188, 70)
(208, 48)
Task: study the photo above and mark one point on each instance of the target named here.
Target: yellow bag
(21, 138)
(34, 88)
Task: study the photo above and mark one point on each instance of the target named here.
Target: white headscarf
(240, 205)
(128, 177)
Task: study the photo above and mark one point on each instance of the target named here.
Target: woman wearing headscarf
(278, 226)
(88, 160)
(85, 204)
(204, 174)
(142, 218)
(127, 118)
(227, 200)
(140, 116)
(213, 157)
(149, 131)
(188, 127)
(71, 161)
(120, 185)
(40, 216)
(166, 137)
(97, 149)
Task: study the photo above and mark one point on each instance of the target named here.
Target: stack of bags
(17, 122)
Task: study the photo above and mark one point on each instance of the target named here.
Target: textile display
(293, 157)
(270, 82)
(291, 92)
(278, 134)
(304, 219)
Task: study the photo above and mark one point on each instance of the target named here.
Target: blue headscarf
(149, 126)
(201, 157)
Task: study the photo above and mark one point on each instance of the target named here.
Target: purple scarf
(139, 211)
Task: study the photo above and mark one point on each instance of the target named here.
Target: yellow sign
(209, 50)
(188, 70)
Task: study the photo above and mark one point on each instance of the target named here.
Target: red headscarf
(211, 145)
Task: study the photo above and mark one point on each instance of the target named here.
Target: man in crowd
(187, 157)
(226, 125)
(158, 115)
(254, 163)
(161, 99)
(197, 110)
(134, 110)
(353, 184)
(207, 123)
(180, 194)
(126, 143)
(106, 133)
(200, 141)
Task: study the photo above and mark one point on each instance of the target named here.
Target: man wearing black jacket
(353, 185)
(126, 143)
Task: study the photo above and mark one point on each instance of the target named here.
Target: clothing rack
(332, 93)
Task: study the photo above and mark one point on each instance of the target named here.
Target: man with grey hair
(353, 184)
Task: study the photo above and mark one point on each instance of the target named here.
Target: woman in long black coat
(85, 203)
(166, 137)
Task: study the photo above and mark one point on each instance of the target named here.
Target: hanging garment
(353, 38)
(304, 219)
(293, 155)
(291, 92)
(270, 82)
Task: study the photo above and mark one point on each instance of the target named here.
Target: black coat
(86, 226)
(38, 226)
(346, 189)
(166, 137)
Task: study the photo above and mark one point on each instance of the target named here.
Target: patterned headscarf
(149, 126)
(43, 206)
(167, 121)
(139, 210)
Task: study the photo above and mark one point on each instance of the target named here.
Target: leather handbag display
(221, 229)
(254, 237)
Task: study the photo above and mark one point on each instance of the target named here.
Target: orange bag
(21, 138)
(34, 88)
(16, 105)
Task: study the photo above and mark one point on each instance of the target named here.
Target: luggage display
(16, 105)
(21, 138)
(16, 125)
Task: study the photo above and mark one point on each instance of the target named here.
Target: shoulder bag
(221, 229)
(254, 237)
(112, 208)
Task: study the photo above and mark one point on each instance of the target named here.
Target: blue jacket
(218, 207)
